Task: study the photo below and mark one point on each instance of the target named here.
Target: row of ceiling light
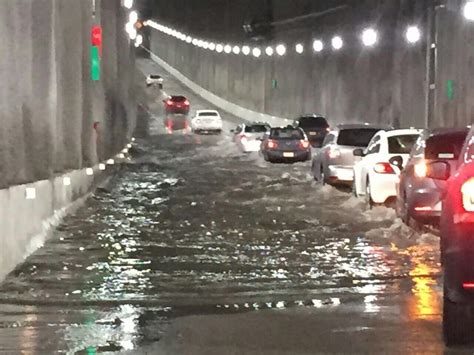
(130, 27)
(369, 37)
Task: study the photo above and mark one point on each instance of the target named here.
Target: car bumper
(177, 110)
(341, 174)
(458, 255)
(207, 127)
(425, 206)
(251, 146)
(299, 155)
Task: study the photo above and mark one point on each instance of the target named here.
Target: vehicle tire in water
(368, 197)
(457, 322)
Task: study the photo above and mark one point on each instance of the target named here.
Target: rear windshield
(401, 144)
(256, 129)
(155, 76)
(357, 137)
(447, 147)
(313, 122)
(208, 113)
(286, 134)
(178, 98)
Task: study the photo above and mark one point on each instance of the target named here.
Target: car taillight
(383, 168)
(328, 129)
(420, 169)
(271, 144)
(169, 102)
(243, 138)
(467, 191)
(186, 103)
(334, 153)
(304, 144)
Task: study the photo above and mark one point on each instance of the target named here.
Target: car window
(402, 144)
(155, 76)
(178, 98)
(374, 145)
(312, 122)
(356, 137)
(208, 113)
(445, 146)
(256, 129)
(329, 139)
(286, 133)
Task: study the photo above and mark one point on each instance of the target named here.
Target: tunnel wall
(382, 84)
(388, 83)
(48, 101)
(49, 105)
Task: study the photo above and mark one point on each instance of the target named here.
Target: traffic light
(96, 52)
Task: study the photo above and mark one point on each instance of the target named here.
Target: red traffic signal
(96, 38)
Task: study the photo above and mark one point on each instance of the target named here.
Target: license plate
(288, 155)
(313, 133)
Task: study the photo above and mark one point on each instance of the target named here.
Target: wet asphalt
(191, 231)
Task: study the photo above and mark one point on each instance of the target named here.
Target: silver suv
(333, 163)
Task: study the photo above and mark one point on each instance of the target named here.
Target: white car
(377, 174)
(206, 121)
(154, 80)
(248, 136)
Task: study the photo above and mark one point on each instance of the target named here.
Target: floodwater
(190, 226)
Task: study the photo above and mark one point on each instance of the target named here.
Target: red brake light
(243, 137)
(304, 144)
(169, 102)
(467, 192)
(383, 168)
(271, 144)
(468, 285)
(186, 103)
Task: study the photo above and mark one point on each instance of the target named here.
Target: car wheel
(457, 322)
(368, 196)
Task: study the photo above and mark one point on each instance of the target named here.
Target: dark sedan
(315, 126)
(419, 196)
(286, 144)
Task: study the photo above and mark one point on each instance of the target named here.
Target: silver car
(333, 163)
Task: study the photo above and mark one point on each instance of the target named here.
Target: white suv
(154, 80)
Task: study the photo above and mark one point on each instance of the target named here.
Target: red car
(177, 104)
(457, 244)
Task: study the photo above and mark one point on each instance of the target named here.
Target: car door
(320, 157)
(370, 159)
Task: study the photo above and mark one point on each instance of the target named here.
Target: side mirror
(438, 170)
(359, 152)
(397, 161)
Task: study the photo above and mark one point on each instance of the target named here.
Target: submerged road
(196, 248)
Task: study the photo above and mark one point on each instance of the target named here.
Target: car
(154, 80)
(457, 244)
(419, 196)
(177, 104)
(206, 121)
(285, 144)
(249, 136)
(315, 126)
(334, 162)
(376, 175)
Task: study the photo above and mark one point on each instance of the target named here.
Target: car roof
(363, 125)
(400, 132)
(315, 115)
(447, 131)
(201, 111)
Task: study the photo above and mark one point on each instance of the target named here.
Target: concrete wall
(381, 84)
(388, 83)
(48, 102)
